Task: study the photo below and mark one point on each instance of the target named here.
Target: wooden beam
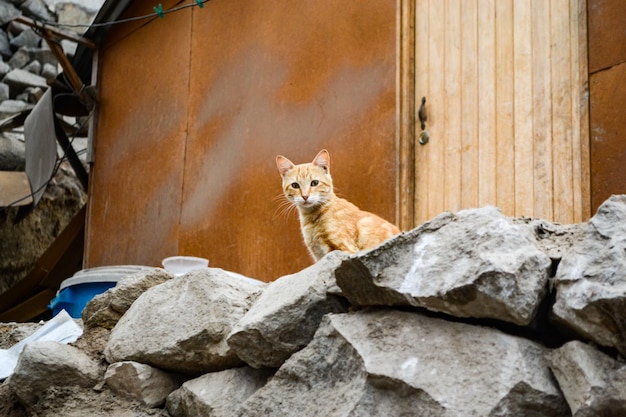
(29, 309)
(25, 299)
(70, 36)
(405, 213)
(51, 36)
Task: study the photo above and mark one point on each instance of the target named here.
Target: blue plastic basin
(75, 292)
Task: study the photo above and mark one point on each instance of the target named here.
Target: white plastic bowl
(180, 265)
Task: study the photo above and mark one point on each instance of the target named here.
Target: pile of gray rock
(27, 65)
(470, 314)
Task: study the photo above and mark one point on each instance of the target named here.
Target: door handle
(421, 113)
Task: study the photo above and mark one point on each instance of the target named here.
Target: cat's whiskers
(285, 208)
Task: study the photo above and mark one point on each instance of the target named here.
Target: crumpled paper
(62, 328)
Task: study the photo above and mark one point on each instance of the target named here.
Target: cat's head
(306, 185)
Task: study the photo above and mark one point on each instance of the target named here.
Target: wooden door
(505, 87)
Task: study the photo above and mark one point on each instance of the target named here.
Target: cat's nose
(305, 197)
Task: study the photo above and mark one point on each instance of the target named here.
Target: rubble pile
(470, 314)
(27, 65)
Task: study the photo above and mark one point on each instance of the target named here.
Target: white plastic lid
(102, 274)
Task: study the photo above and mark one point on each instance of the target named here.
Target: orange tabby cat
(329, 222)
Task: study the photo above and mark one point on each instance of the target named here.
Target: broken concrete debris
(435, 322)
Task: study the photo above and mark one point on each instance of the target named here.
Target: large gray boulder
(182, 324)
(286, 315)
(593, 383)
(45, 365)
(217, 394)
(392, 363)
(591, 279)
(106, 309)
(475, 263)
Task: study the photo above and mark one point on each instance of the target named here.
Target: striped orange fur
(329, 222)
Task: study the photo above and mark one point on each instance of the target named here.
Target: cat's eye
(295, 185)
(314, 183)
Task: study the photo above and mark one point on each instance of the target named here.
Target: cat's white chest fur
(316, 246)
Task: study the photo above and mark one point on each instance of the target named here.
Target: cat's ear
(322, 160)
(283, 164)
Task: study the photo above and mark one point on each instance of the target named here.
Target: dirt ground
(69, 401)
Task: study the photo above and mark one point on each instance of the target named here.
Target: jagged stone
(106, 309)
(10, 107)
(27, 38)
(42, 54)
(44, 364)
(593, 383)
(49, 71)
(69, 47)
(216, 394)
(182, 325)
(5, 47)
(4, 70)
(36, 9)
(4, 95)
(11, 153)
(8, 12)
(554, 239)
(92, 6)
(476, 263)
(591, 279)
(19, 59)
(385, 362)
(286, 315)
(33, 67)
(31, 95)
(14, 27)
(18, 80)
(141, 382)
(73, 14)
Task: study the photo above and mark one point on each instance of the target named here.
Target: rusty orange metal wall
(196, 106)
(136, 181)
(607, 86)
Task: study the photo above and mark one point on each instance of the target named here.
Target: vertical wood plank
(436, 100)
(561, 111)
(582, 200)
(486, 102)
(405, 114)
(542, 110)
(452, 120)
(469, 104)
(422, 89)
(522, 118)
(505, 146)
